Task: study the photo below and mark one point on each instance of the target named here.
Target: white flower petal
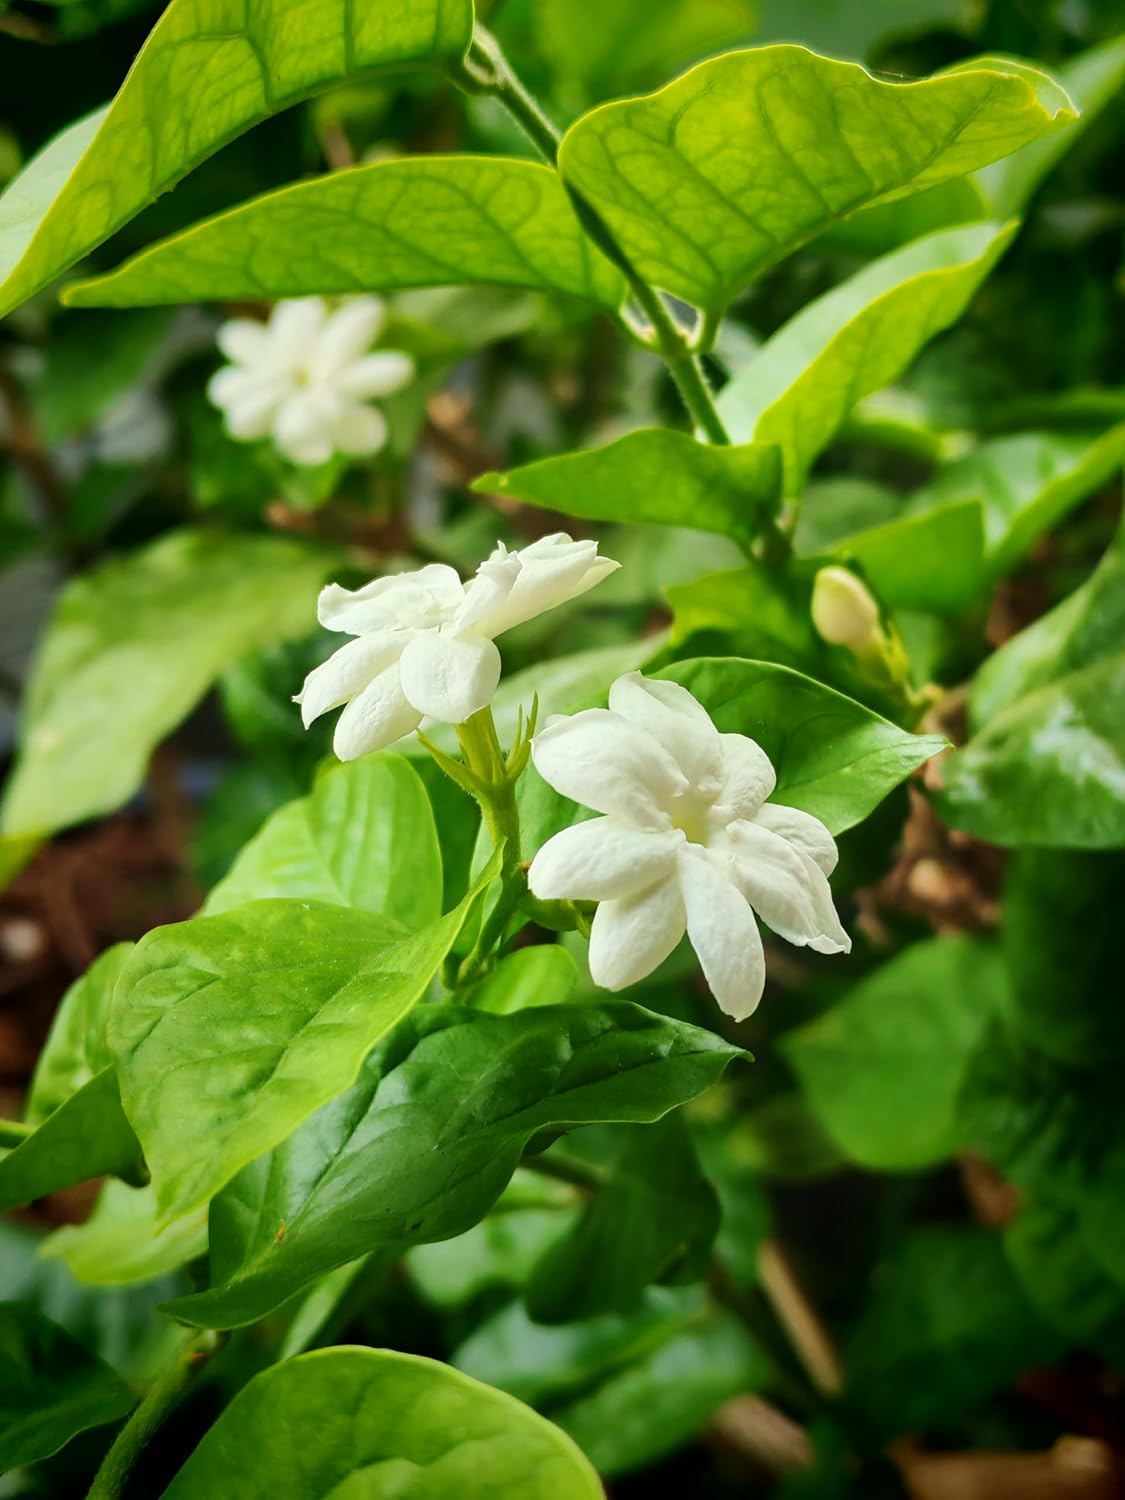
(787, 889)
(246, 342)
(602, 761)
(748, 776)
(375, 718)
(248, 400)
(423, 598)
(672, 716)
(807, 834)
(348, 671)
(633, 935)
(600, 861)
(449, 677)
(347, 333)
(379, 374)
(359, 429)
(512, 588)
(722, 930)
(293, 329)
(303, 426)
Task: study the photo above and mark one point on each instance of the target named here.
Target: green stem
(13, 1132)
(568, 1169)
(163, 1395)
(487, 70)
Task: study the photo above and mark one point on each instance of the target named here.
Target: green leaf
(75, 1050)
(204, 76)
(946, 1326)
(801, 384)
(372, 1421)
(1053, 1261)
(119, 1243)
(363, 838)
(51, 1388)
(833, 757)
(87, 1136)
(543, 975)
(654, 476)
(1087, 627)
(1049, 770)
(754, 610)
(730, 167)
(131, 647)
(233, 1029)
(74, 390)
(420, 221)
(499, 1252)
(1026, 483)
(427, 1139)
(650, 1408)
(653, 1218)
(932, 562)
(882, 1069)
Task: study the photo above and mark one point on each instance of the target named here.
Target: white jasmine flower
(424, 646)
(687, 842)
(305, 378)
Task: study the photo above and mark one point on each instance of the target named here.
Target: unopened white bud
(845, 611)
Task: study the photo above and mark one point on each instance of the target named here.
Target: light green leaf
(51, 1388)
(883, 1068)
(76, 1048)
(420, 221)
(543, 975)
(233, 1029)
(131, 648)
(499, 1252)
(1026, 483)
(1050, 769)
(1083, 629)
(654, 476)
(364, 837)
(427, 1139)
(799, 387)
(375, 1422)
(207, 73)
(753, 610)
(119, 1243)
(653, 1218)
(745, 157)
(833, 757)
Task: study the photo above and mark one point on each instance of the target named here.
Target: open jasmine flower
(305, 378)
(424, 646)
(687, 842)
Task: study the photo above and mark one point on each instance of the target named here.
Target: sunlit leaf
(120, 1244)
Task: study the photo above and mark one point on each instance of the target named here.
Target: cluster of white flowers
(305, 378)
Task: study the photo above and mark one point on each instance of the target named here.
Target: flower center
(690, 813)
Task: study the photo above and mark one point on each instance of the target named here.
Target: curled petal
(722, 930)
(511, 588)
(423, 598)
(672, 716)
(602, 761)
(246, 342)
(346, 334)
(601, 861)
(293, 329)
(359, 429)
(348, 671)
(748, 776)
(787, 889)
(375, 718)
(633, 935)
(378, 374)
(807, 834)
(449, 677)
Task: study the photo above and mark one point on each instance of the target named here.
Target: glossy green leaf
(1049, 770)
(542, 975)
(119, 1243)
(376, 1422)
(208, 72)
(131, 648)
(656, 476)
(76, 1048)
(1026, 483)
(833, 757)
(51, 1388)
(419, 221)
(883, 1068)
(800, 385)
(364, 837)
(947, 1325)
(235, 1028)
(86, 1136)
(498, 1253)
(653, 1218)
(1087, 627)
(425, 1142)
(743, 158)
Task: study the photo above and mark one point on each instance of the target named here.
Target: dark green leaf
(1051, 1258)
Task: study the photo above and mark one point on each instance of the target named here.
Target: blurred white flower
(424, 646)
(687, 843)
(305, 378)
